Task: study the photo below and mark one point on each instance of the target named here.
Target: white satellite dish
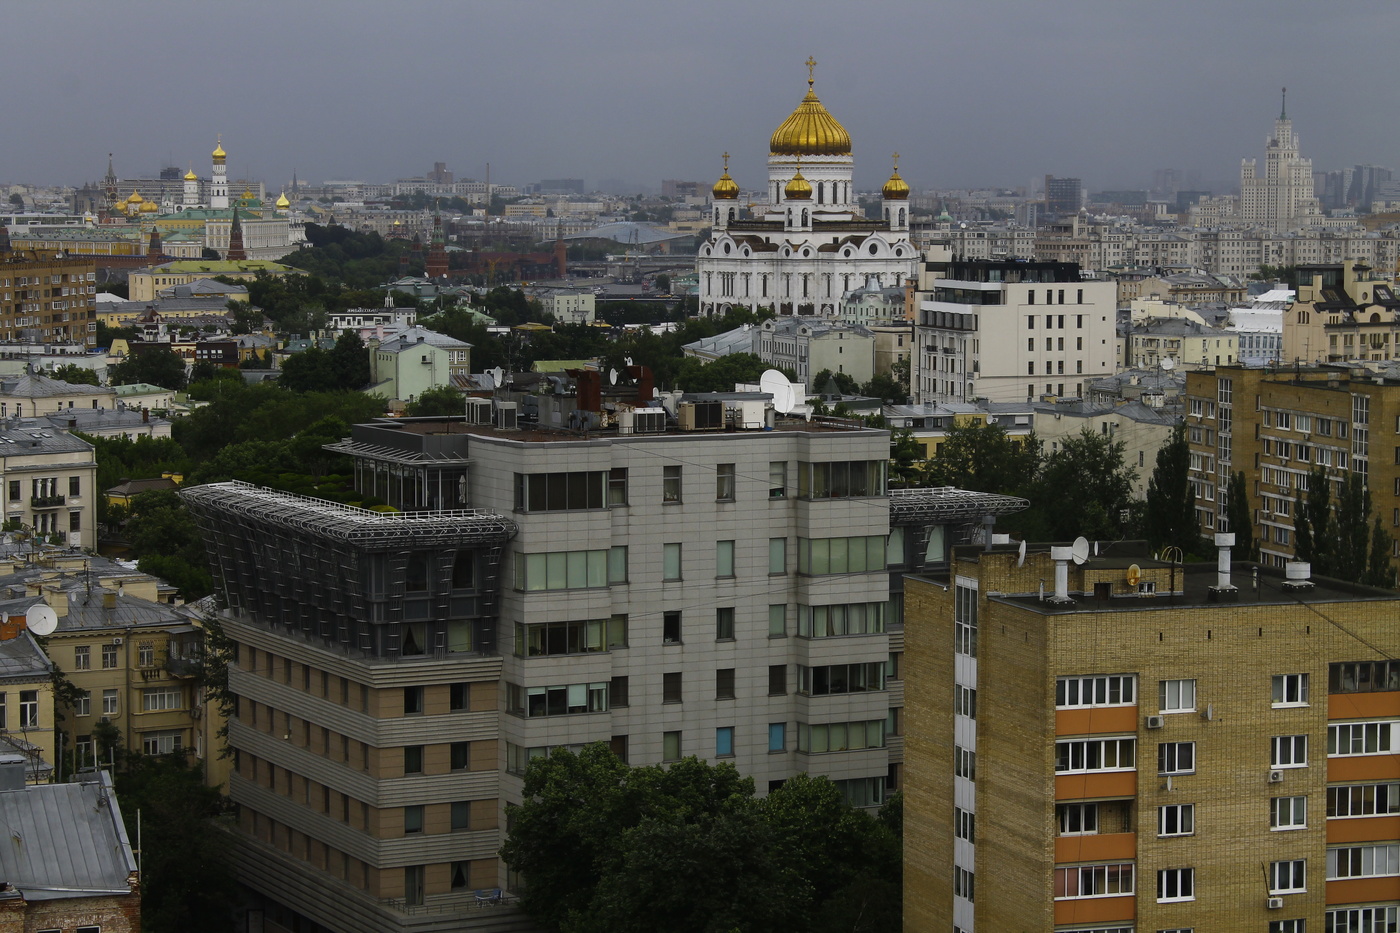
(612, 376)
(498, 375)
(1168, 364)
(627, 360)
(1081, 549)
(1021, 554)
(41, 620)
(776, 384)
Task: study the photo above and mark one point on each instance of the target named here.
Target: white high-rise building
(1283, 198)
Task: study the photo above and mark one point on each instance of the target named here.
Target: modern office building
(671, 585)
(1008, 331)
(1063, 195)
(1127, 745)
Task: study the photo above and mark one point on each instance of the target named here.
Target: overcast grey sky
(970, 94)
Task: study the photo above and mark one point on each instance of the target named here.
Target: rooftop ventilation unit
(701, 416)
(478, 411)
(649, 421)
(505, 414)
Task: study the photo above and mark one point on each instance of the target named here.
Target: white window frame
(1083, 750)
(1291, 745)
(1102, 690)
(1359, 803)
(1176, 757)
(1177, 819)
(1084, 815)
(111, 704)
(1290, 690)
(1288, 813)
(1176, 884)
(1176, 696)
(1288, 876)
(1363, 861)
(1361, 738)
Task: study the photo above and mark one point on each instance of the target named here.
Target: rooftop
(67, 841)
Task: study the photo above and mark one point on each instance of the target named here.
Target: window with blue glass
(724, 741)
(777, 736)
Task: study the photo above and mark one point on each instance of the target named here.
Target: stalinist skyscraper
(1283, 199)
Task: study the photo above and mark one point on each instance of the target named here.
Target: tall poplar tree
(1171, 500)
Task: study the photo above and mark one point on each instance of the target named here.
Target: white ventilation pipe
(1061, 556)
(1223, 544)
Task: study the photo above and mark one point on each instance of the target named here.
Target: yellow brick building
(45, 296)
(1153, 752)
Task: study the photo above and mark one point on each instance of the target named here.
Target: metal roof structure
(949, 504)
(347, 523)
(394, 454)
(73, 841)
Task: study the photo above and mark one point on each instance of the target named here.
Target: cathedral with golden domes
(808, 246)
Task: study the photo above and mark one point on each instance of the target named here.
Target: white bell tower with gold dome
(726, 198)
(894, 201)
(218, 185)
(191, 196)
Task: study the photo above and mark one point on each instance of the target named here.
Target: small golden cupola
(282, 202)
(135, 197)
(896, 189)
(726, 189)
(149, 207)
(799, 188)
(191, 176)
(218, 153)
(811, 129)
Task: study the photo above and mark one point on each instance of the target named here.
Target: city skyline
(994, 96)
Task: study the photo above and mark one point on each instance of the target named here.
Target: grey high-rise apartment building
(1063, 195)
(714, 582)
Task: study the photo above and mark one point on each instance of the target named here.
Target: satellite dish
(1134, 576)
(1021, 554)
(498, 375)
(1081, 549)
(1168, 364)
(41, 620)
(627, 360)
(777, 385)
(612, 376)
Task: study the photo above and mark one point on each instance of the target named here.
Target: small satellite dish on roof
(627, 360)
(1168, 364)
(1021, 554)
(1081, 549)
(612, 376)
(498, 375)
(1134, 575)
(776, 384)
(41, 620)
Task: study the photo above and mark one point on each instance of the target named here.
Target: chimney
(1224, 590)
(1062, 557)
(590, 389)
(109, 600)
(145, 416)
(645, 388)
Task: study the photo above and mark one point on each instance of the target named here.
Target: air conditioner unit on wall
(1275, 777)
(1155, 722)
(116, 641)
(1275, 903)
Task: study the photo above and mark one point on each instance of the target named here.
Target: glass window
(671, 484)
(670, 562)
(724, 482)
(1096, 690)
(1364, 861)
(777, 736)
(777, 620)
(1176, 758)
(413, 819)
(617, 486)
(670, 746)
(777, 479)
(1176, 820)
(559, 492)
(724, 558)
(1290, 690)
(1177, 696)
(1290, 812)
(671, 687)
(724, 742)
(461, 756)
(1176, 884)
(724, 624)
(109, 702)
(461, 815)
(1289, 751)
(724, 683)
(413, 759)
(777, 555)
(82, 658)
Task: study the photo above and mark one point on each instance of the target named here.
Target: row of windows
(1286, 751)
(1180, 695)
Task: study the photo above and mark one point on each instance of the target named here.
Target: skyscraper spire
(1283, 113)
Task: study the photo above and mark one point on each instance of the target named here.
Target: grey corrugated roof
(22, 658)
(24, 436)
(34, 385)
(65, 840)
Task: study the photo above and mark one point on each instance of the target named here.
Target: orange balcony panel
(1363, 890)
(1096, 785)
(1103, 847)
(1112, 719)
(1363, 768)
(1380, 705)
(1096, 909)
(1363, 829)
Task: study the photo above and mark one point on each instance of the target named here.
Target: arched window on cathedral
(804, 217)
(901, 216)
(731, 215)
(821, 192)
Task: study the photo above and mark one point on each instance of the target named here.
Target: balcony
(47, 502)
(181, 667)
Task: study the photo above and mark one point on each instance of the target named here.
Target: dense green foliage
(1342, 537)
(1240, 518)
(344, 366)
(439, 402)
(73, 374)
(606, 847)
(982, 457)
(187, 878)
(352, 259)
(1171, 499)
(156, 366)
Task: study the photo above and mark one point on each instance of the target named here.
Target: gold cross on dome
(811, 65)
(726, 162)
(896, 161)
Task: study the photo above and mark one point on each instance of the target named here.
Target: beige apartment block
(1128, 745)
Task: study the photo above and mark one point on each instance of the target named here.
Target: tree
(17, 200)
(1171, 499)
(350, 361)
(1083, 489)
(1379, 570)
(155, 366)
(74, 374)
(439, 401)
(845, 383)
(906, 455)
(1240, 517)
(311, 370)
(982, 457)
(1353, 514)
(1313, 524)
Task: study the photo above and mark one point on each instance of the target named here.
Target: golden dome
(150, 207)
(282, 202)
(219, 149)
(799, 189)
(896, 189)
(726, 189)
(811, 129)
(191, 176)
(135, 197)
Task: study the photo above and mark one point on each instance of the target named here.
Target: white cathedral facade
(809, 246)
